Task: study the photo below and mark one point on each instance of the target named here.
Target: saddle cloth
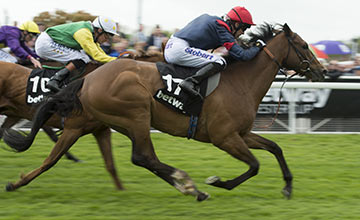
(173, 97)
(36, 89)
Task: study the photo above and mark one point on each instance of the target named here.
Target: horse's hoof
(202, 196)
(212, 180)
(120, 188)
(287, 193)
(10, 187)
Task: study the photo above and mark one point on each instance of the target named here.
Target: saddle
(172, 95)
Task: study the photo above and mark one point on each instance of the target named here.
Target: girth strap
(192, 127)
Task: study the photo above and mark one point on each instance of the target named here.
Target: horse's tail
(64, 103)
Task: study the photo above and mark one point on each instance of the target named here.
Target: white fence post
(303, 125)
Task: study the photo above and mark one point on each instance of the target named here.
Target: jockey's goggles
(244, 26)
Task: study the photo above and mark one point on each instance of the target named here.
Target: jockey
(15, 38)
(188, 47)
(73, 43)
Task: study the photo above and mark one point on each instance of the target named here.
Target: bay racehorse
(13, 119)
(120, 95)
(13, 81)
(17, 82)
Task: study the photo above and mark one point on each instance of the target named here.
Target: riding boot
(55, 80)
(189, 84)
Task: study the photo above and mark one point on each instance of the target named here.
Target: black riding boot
(55, 80)
(188, 85)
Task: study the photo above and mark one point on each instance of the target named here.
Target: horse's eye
(305, 46)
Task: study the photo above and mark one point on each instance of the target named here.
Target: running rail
(317, 85)
(310, 85)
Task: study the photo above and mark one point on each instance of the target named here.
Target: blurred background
(329, 28)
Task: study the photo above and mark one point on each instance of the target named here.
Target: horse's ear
(287, 29)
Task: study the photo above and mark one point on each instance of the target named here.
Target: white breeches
(46, 48)
(6, 57)
(179, 52)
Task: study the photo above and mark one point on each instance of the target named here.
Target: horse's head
(300, 58)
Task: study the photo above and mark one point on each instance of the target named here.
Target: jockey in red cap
(188, 47)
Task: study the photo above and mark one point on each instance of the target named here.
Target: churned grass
(325, 169)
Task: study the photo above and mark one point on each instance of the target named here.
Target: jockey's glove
(260, 44)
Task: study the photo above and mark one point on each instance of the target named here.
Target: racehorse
(14, 116)
(149, 57)
(13, 80)
(11, 120)
(120, 95)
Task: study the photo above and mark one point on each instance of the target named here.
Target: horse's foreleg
(52, 135)
(236, 147)
(67, 139)
(257, 142)
(143, 154)
(103, 138)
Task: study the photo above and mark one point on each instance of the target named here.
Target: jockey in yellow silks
(73, 44)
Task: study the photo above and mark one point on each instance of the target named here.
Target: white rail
(309, 85)
(317, 85)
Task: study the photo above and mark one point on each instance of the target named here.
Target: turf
(325, 169)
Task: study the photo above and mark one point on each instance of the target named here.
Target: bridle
(304, 62)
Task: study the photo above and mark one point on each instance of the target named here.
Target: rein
(303, 60)
(125, 54)
(281, 69)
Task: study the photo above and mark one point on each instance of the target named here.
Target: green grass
(325, 169)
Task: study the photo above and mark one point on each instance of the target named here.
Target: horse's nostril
(324, 71)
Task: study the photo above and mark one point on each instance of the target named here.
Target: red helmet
(240, 14)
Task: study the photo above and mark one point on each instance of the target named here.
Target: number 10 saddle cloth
(36, 89)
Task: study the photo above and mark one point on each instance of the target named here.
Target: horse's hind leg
(67, 139)
(143, 154)
(8, 123)
(103, 138)
(52, 135)
(11, 121)
(236, 147)
(257, 142)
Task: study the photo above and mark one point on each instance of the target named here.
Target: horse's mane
(264, 32)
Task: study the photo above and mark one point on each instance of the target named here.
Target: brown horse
(13, 81)
(20, 75)
(11, 120)
(120, 95)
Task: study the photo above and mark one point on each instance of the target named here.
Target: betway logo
(169, 99)
(317, 97)
(34, 100)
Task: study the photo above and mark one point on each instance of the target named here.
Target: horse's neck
(265, 69)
